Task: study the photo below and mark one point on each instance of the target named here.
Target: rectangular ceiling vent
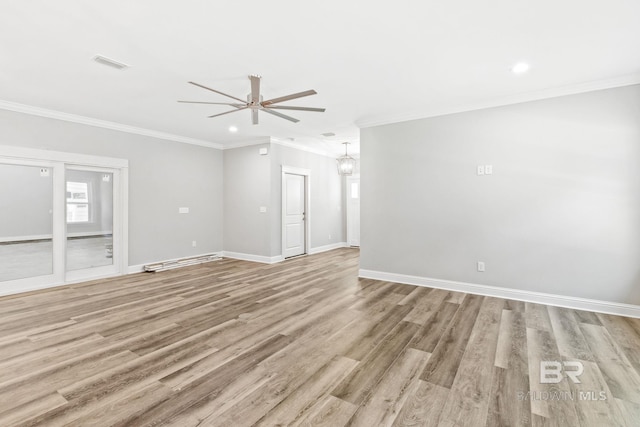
(328, 134)
(110, 62)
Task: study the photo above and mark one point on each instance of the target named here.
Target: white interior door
(353, 211)
(294, 215)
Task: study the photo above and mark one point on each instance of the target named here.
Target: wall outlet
(194, 244)
(480, 266)
(480, 169)
(44, 172)
(263, 209)
(183, 210)
(329, 236)
(488, 169)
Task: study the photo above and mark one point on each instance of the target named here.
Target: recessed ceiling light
(328, 134)
(233, 129)
(520, 67)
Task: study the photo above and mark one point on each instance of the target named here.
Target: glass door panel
(89, 217)
(26, 221)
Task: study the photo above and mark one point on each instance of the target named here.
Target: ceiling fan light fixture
(255, 102)
(346, 164)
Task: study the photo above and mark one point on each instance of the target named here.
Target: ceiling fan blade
(217, 91)
(255, 89)
(282, 107)
(289, 97)
(232, 111)
(254, 116)
(284, 116)
(212, 103)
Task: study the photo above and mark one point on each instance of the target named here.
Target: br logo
(551, 372)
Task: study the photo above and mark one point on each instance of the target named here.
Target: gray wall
(163, 175)
(560, 214)
(247, 187)
(252, 180)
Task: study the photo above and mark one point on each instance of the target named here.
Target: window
(77, 202)
(355, 187)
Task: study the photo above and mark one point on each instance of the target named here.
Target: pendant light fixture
(346, 163)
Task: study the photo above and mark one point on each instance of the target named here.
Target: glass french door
(91, 222)
(26, 221)
(60, 221)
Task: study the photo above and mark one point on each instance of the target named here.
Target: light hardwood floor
(304, 342)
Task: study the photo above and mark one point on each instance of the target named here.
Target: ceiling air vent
(328, 134)
(110, 62)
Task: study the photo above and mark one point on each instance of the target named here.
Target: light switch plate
(263, 209)
(183, 210)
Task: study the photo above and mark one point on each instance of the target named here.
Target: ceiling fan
(255, 103)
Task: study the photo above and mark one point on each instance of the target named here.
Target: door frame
(306, 173)
(58, 161)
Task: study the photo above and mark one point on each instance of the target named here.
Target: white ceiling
(371, 62)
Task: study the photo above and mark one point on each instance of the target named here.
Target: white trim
(307, 206)
(230, 145)
(301, 147)
(71, 159)
(254, 258)
(90, 121)
(626, 80)
(328, 247)
(295, 170)
(124, 220)
(514, 294)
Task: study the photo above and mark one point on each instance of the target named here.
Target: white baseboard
(139, 268)
(254, 258)
(279, 258)
(608, 307)
(326, 248)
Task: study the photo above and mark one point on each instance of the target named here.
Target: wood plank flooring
(304, 342)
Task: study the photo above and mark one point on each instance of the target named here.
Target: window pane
(26, 225)
(89, 219)
(77, 213)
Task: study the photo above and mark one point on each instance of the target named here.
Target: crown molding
(626, 80)
(230, 145)
(67, 117)
(299, 146)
